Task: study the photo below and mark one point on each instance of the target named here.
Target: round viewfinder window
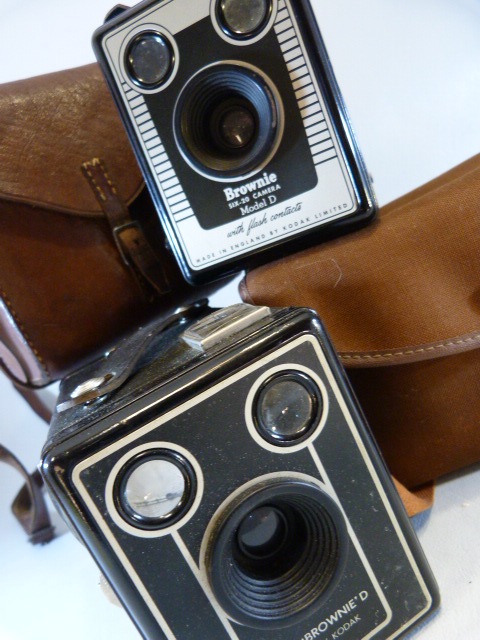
(155, 489)
(287, 407)
(149, 59)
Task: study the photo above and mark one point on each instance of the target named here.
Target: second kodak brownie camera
(220, 472)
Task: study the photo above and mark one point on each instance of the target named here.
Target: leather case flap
(404, 289)
(49, 126)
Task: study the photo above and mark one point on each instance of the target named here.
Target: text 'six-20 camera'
(219, 470)
(238, 125)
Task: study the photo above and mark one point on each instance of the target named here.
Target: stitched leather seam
(96, 162)
(407, 352)
(23, 331)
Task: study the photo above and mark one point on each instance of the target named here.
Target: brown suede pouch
(82, 255)
(401, 301)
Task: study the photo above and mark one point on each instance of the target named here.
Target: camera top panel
(238, 125)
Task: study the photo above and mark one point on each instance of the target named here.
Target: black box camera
(238, 125)
(220, 472)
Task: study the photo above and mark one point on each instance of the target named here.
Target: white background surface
(410, 75)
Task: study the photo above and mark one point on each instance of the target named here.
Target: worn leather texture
(49, 126)
(66, 291)
(401, 301)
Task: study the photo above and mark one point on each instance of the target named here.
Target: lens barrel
(228, 120)
(275, 552)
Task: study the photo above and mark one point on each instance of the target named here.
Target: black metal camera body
(221, 474)
(239, 128)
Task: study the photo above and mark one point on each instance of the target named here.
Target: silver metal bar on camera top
(222, 325)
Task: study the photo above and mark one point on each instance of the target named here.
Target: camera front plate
(214, 431)
(312, 179)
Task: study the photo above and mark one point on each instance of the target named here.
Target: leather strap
(132, 245)
(29, 506)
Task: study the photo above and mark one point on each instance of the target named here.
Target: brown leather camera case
(82, 255)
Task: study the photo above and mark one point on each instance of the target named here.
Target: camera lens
(262, 533)
(236, 127)
(243, 18)
(287, 407)
(149, 59)
(228, 120)
(155, 489)
(276, 552)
